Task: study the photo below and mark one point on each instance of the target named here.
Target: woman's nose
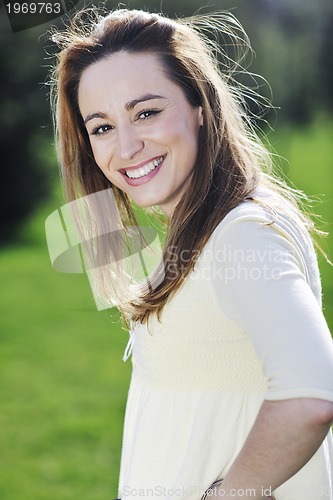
(129, 142)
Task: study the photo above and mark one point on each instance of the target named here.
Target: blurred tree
(26, 135)
(291, 40)
(326, 59)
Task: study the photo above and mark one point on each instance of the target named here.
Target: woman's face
(142, 130)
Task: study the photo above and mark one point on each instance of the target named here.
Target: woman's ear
(200, 111)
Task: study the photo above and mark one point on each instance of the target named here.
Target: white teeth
(140, 172)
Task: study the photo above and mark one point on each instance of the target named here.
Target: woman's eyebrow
(94, 115)
(147, 97)
(128, 106)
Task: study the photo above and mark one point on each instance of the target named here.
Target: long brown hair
(231, 160)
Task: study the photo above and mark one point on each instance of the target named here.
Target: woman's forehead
(122, 77)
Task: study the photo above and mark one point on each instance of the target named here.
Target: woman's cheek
(99, 157)
(95, 151)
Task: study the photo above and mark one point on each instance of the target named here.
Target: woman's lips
(144, 178)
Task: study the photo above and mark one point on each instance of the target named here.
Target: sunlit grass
(63, 384)
(308, 154)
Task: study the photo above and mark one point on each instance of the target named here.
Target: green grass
(308, 154)
(63, 383)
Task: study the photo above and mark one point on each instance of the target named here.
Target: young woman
(232, 378)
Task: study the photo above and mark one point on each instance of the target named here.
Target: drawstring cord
(129, 347)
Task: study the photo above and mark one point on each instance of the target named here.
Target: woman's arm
(285, 435)
(270, 297)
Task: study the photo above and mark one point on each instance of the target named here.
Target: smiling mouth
(145, 170)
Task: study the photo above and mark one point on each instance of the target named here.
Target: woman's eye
(148, 113)
(101, 129)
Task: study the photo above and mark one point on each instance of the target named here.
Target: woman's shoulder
(270, 208)
(279, 221)
(264, 204)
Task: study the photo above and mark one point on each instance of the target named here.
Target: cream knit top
(246, 325)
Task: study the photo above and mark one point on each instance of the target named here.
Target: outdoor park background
(63, 384)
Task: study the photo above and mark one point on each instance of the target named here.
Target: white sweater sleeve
(259, 282)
